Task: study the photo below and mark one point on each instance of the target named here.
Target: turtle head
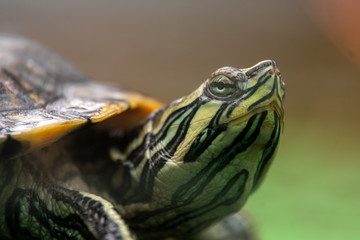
(208, 151)
(219, 116)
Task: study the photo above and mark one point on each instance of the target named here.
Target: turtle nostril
(277, 72)
(274, 64)
(274, 69)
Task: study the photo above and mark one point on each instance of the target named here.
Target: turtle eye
(221, 86)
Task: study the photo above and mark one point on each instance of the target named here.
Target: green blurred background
(167, 48)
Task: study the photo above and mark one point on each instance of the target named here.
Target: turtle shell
(42, 98)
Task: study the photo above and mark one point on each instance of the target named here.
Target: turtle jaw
(272, 107)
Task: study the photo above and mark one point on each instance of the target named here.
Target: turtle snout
(274, 70)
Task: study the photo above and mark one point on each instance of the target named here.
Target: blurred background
(167, 48)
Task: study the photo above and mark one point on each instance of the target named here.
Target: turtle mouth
(279, 110)
(273, 106)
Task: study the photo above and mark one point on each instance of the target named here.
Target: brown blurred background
(167, 48)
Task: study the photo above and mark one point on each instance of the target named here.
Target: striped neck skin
(197, 160)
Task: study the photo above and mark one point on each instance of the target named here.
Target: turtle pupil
(220, 85)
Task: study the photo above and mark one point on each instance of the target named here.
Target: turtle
(81, 159)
